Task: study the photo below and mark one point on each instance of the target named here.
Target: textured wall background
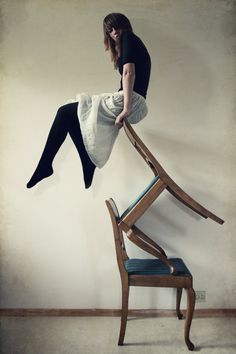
(56, 240)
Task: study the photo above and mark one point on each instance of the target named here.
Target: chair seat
(156, 267)
(154, 180)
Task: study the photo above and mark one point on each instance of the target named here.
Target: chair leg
(124, 312)
(189, 315)
(178, 301)
(183, 197)
(187, 200)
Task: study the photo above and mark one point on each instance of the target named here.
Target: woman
(93, 122)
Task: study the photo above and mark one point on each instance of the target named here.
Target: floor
(98, 335)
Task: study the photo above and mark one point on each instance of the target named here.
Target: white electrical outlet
(200, 295)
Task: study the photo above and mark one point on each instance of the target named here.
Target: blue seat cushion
(155, 267)
(140, 197)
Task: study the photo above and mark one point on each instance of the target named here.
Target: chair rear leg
(183, 197)
(189, 315)
(124, 312)
(178, 301)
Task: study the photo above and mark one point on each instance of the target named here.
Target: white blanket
(97, 114)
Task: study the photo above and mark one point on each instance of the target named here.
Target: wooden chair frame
(171, 280)
(163, 182)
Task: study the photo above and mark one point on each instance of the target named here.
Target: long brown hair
(117, 21)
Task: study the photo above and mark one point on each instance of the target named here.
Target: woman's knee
(63, 110)
(68, 108)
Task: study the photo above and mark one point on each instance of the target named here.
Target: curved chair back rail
(164, 180)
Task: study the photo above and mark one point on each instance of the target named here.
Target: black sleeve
(129, 50)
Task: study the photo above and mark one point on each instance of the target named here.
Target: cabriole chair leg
(189, 316)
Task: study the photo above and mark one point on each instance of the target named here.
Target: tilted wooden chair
(160, 182)
(162, 271)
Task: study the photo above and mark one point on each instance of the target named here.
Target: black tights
(66, 121)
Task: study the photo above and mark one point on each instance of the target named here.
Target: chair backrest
(121, 254)
(146, 154)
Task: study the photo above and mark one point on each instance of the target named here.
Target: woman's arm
(128, 78)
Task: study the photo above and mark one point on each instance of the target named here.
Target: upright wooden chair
(162, 271)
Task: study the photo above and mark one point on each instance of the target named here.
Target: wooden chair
(160, 182)
(161, 272)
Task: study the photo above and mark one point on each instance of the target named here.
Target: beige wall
(56, 240)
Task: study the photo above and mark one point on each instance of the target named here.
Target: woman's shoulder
(129, 36)
(131, 39)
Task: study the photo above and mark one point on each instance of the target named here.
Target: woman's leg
(75, 134)
(66, 121)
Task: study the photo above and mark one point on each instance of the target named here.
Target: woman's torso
(132, 50)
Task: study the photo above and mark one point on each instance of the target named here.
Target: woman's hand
(120, 118)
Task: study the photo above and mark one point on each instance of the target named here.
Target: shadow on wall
(164, 222)
(15, 280)
(181, 93)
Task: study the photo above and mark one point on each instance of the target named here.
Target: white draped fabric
(97, 114)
